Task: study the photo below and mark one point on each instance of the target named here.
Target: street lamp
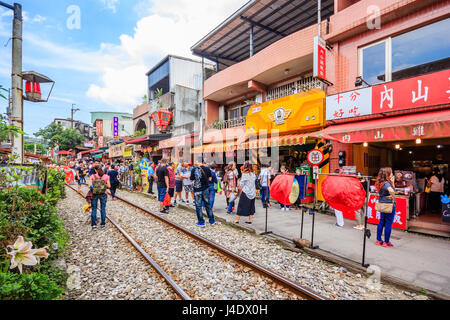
(17, 76)
(73, 111)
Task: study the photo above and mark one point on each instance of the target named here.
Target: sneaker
(287, 209)
(249, 223)
(94, 228)
(163, 212)
(103, 226)
(388, 245)
(379, 243)
(182, 201)
(174, 203)
(339, 226)
(213, 223)
(283, 209)
(201, 225)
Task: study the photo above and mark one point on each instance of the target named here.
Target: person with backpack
(114, 180)
(201, 176)
(99, 185)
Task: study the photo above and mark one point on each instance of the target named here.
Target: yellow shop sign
(296, 112)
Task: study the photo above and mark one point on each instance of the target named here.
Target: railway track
(300, 291)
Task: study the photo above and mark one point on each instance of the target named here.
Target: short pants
(178, 186)
(161, 194)
(171, 192)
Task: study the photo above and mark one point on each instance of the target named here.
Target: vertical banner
(100, 142)
(116, 128)
(320, 58)
(99, 126)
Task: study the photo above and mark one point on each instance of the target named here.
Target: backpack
(98, 186)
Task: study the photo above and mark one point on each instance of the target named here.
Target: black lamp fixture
(359, 82)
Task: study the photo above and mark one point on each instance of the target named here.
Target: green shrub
(35, 286)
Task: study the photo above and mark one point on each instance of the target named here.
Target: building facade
(85, 129)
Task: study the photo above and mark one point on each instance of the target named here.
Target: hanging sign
(116, 128)
(320, 58)
(99, 125)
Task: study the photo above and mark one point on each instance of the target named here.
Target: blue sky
(101, 66)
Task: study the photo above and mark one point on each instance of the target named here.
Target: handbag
(166, 202)
(384, 207)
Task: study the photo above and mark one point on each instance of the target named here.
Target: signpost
(315, 158)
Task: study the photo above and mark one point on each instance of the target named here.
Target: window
(420, 51)
(234, 114)
(245, 111)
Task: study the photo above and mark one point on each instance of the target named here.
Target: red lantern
(162, 118)
(33, 90)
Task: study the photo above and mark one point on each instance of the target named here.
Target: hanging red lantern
(33, 90)
(162, 118)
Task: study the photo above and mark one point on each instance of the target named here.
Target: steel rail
(283, 281)
(146, 256)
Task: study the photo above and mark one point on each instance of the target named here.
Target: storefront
(283, 131)
(404, 125)
(179, 148)
(117, 151)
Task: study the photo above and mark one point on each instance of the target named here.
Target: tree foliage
(5, 130)
(56, 136)
(40, 148)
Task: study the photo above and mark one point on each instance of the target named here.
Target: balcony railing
(301, 85)
(226, 124)
(167, 102)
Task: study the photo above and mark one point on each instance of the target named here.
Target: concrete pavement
(420, 260)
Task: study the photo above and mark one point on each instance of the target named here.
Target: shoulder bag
(385, 207)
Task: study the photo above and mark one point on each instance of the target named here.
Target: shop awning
(215, 147)
(89, 151)
(435, 124)
(281, 141)
(177, 141)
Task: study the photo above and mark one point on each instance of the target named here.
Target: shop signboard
(401, 212)
(117, 150)
(292, 113)
(320, 58)
(349, 104)
(128, 153)
(446, 212)
(116, 128)
(417, 92)
(99, 126)
(100, 142)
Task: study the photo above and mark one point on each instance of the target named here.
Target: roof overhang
(272, 20)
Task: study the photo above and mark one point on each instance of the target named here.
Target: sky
(98, 51)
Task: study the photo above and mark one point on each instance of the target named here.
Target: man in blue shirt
(151, 178)
(201, 176)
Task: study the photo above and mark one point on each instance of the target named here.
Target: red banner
(99, 126)
(373, 216)
(428, 90)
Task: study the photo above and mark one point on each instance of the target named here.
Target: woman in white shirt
(246, 207)
(437, 188)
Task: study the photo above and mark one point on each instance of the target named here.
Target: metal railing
(226, 124)
(302, 85)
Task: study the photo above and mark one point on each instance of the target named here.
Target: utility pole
(73, 111)
(16, 81)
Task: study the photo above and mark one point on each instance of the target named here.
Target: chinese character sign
(99, 128)
(426, 90)
(320, 58)
(116, 127)
(400, 213)
(349, 104)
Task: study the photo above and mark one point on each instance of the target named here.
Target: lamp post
(16, 81)
(72, 112)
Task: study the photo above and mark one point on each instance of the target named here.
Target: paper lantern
(162, 118)
(285, 189)
(343, 193)
(33, 90)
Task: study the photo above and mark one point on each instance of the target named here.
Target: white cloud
(168, 27)
(171, 27)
